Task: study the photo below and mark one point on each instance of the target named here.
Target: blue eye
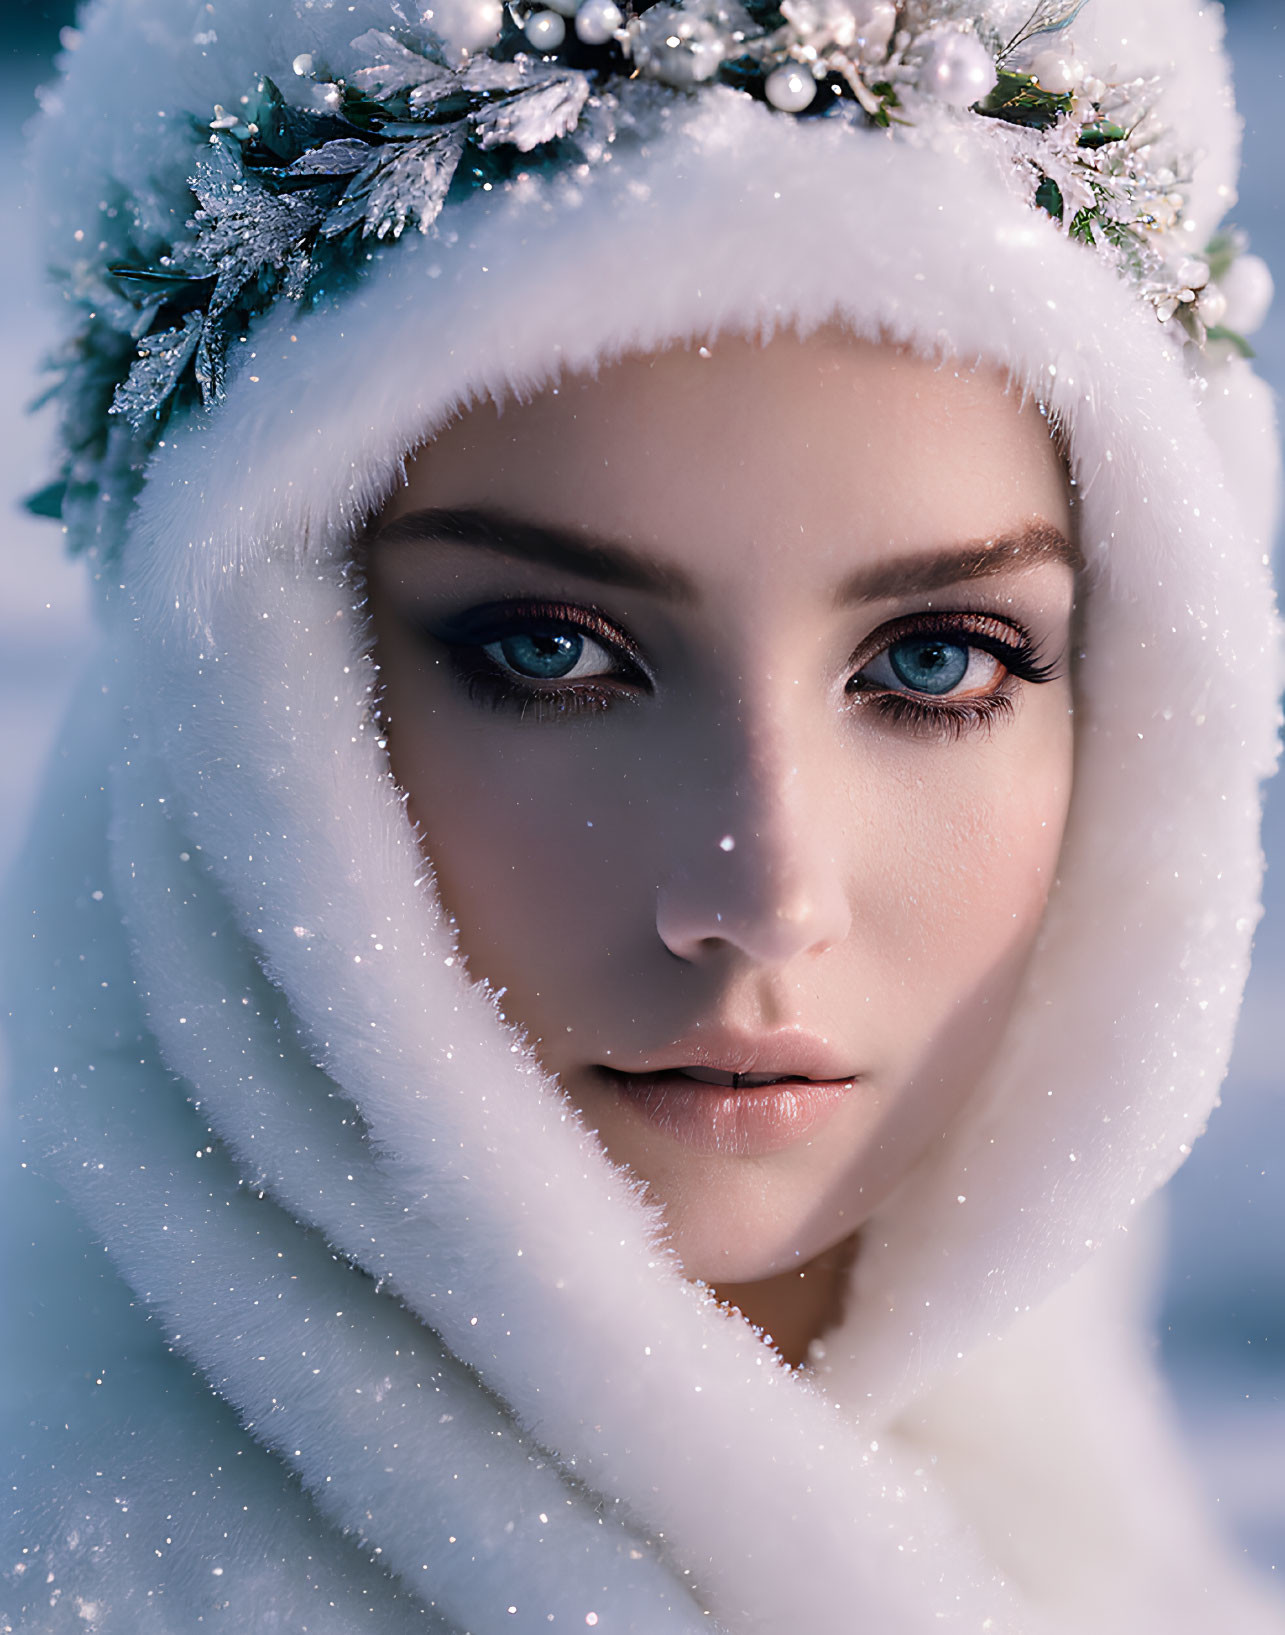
(544, 656)
(936, 664)
(549, 655)
(929, 664)
(541, 659)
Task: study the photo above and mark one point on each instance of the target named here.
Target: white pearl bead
(790, 88)
(958, 70)
(598, 20)
(465, 25)
(545, 30)
(1058, 73)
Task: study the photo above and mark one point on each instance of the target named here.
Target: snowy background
(1221, 1327)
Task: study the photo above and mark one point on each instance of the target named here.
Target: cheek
(972, 871)
(967, 862)
(532, 834)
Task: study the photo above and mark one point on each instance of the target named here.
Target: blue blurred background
(1221, 1323)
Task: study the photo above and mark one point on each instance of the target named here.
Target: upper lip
(768, 1058)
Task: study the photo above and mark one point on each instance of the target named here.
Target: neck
(798, 1306)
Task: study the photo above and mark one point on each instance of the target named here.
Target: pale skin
(731, 694)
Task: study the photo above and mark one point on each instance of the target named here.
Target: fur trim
(258, 839)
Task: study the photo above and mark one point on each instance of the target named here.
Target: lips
(762, 1096)
(740, 1081)
(717, 1055)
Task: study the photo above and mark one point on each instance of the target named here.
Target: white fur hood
(478, 1396)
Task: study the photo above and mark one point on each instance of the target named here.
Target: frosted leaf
(351, 209)
(413, 186)
(242, 229)
(396, 67)
(294, 281)
(424, 97)
(243, 233)
(147, 290)
(155, 372)
(340, 158)
(407, 182)
(597, 127)
(533, 117)
(485, 74)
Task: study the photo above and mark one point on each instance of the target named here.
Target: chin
(741, 1227)
(737, 1217)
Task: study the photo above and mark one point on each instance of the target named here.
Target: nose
(761, 873)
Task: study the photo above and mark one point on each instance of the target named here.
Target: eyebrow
(584, 554)
(609, 562)
(981, 559)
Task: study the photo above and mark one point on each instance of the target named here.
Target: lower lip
(737, 1123)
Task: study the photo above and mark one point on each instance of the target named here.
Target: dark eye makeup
(542, 658)
(944, 672)
(947, 672)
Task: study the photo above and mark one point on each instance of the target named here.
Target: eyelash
(1013, 646)
(485, 683)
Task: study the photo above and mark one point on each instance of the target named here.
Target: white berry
(545, 30)
(958, 70)
(790, 88)
(598, 20)
(465, 25)
(1058, 73)
(1248, 287)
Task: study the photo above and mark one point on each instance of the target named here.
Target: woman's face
(730, 692)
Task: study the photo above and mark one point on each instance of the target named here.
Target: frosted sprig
(292, 193)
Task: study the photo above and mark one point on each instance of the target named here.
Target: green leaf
(1022, 100)
(267, 109)
(47, 501)
(1222, 250)
(1048, 195)
(1220, 332)
(1101, 134)
(156, 287)
(1082, 227)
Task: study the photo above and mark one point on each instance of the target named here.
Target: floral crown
(293, 193)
